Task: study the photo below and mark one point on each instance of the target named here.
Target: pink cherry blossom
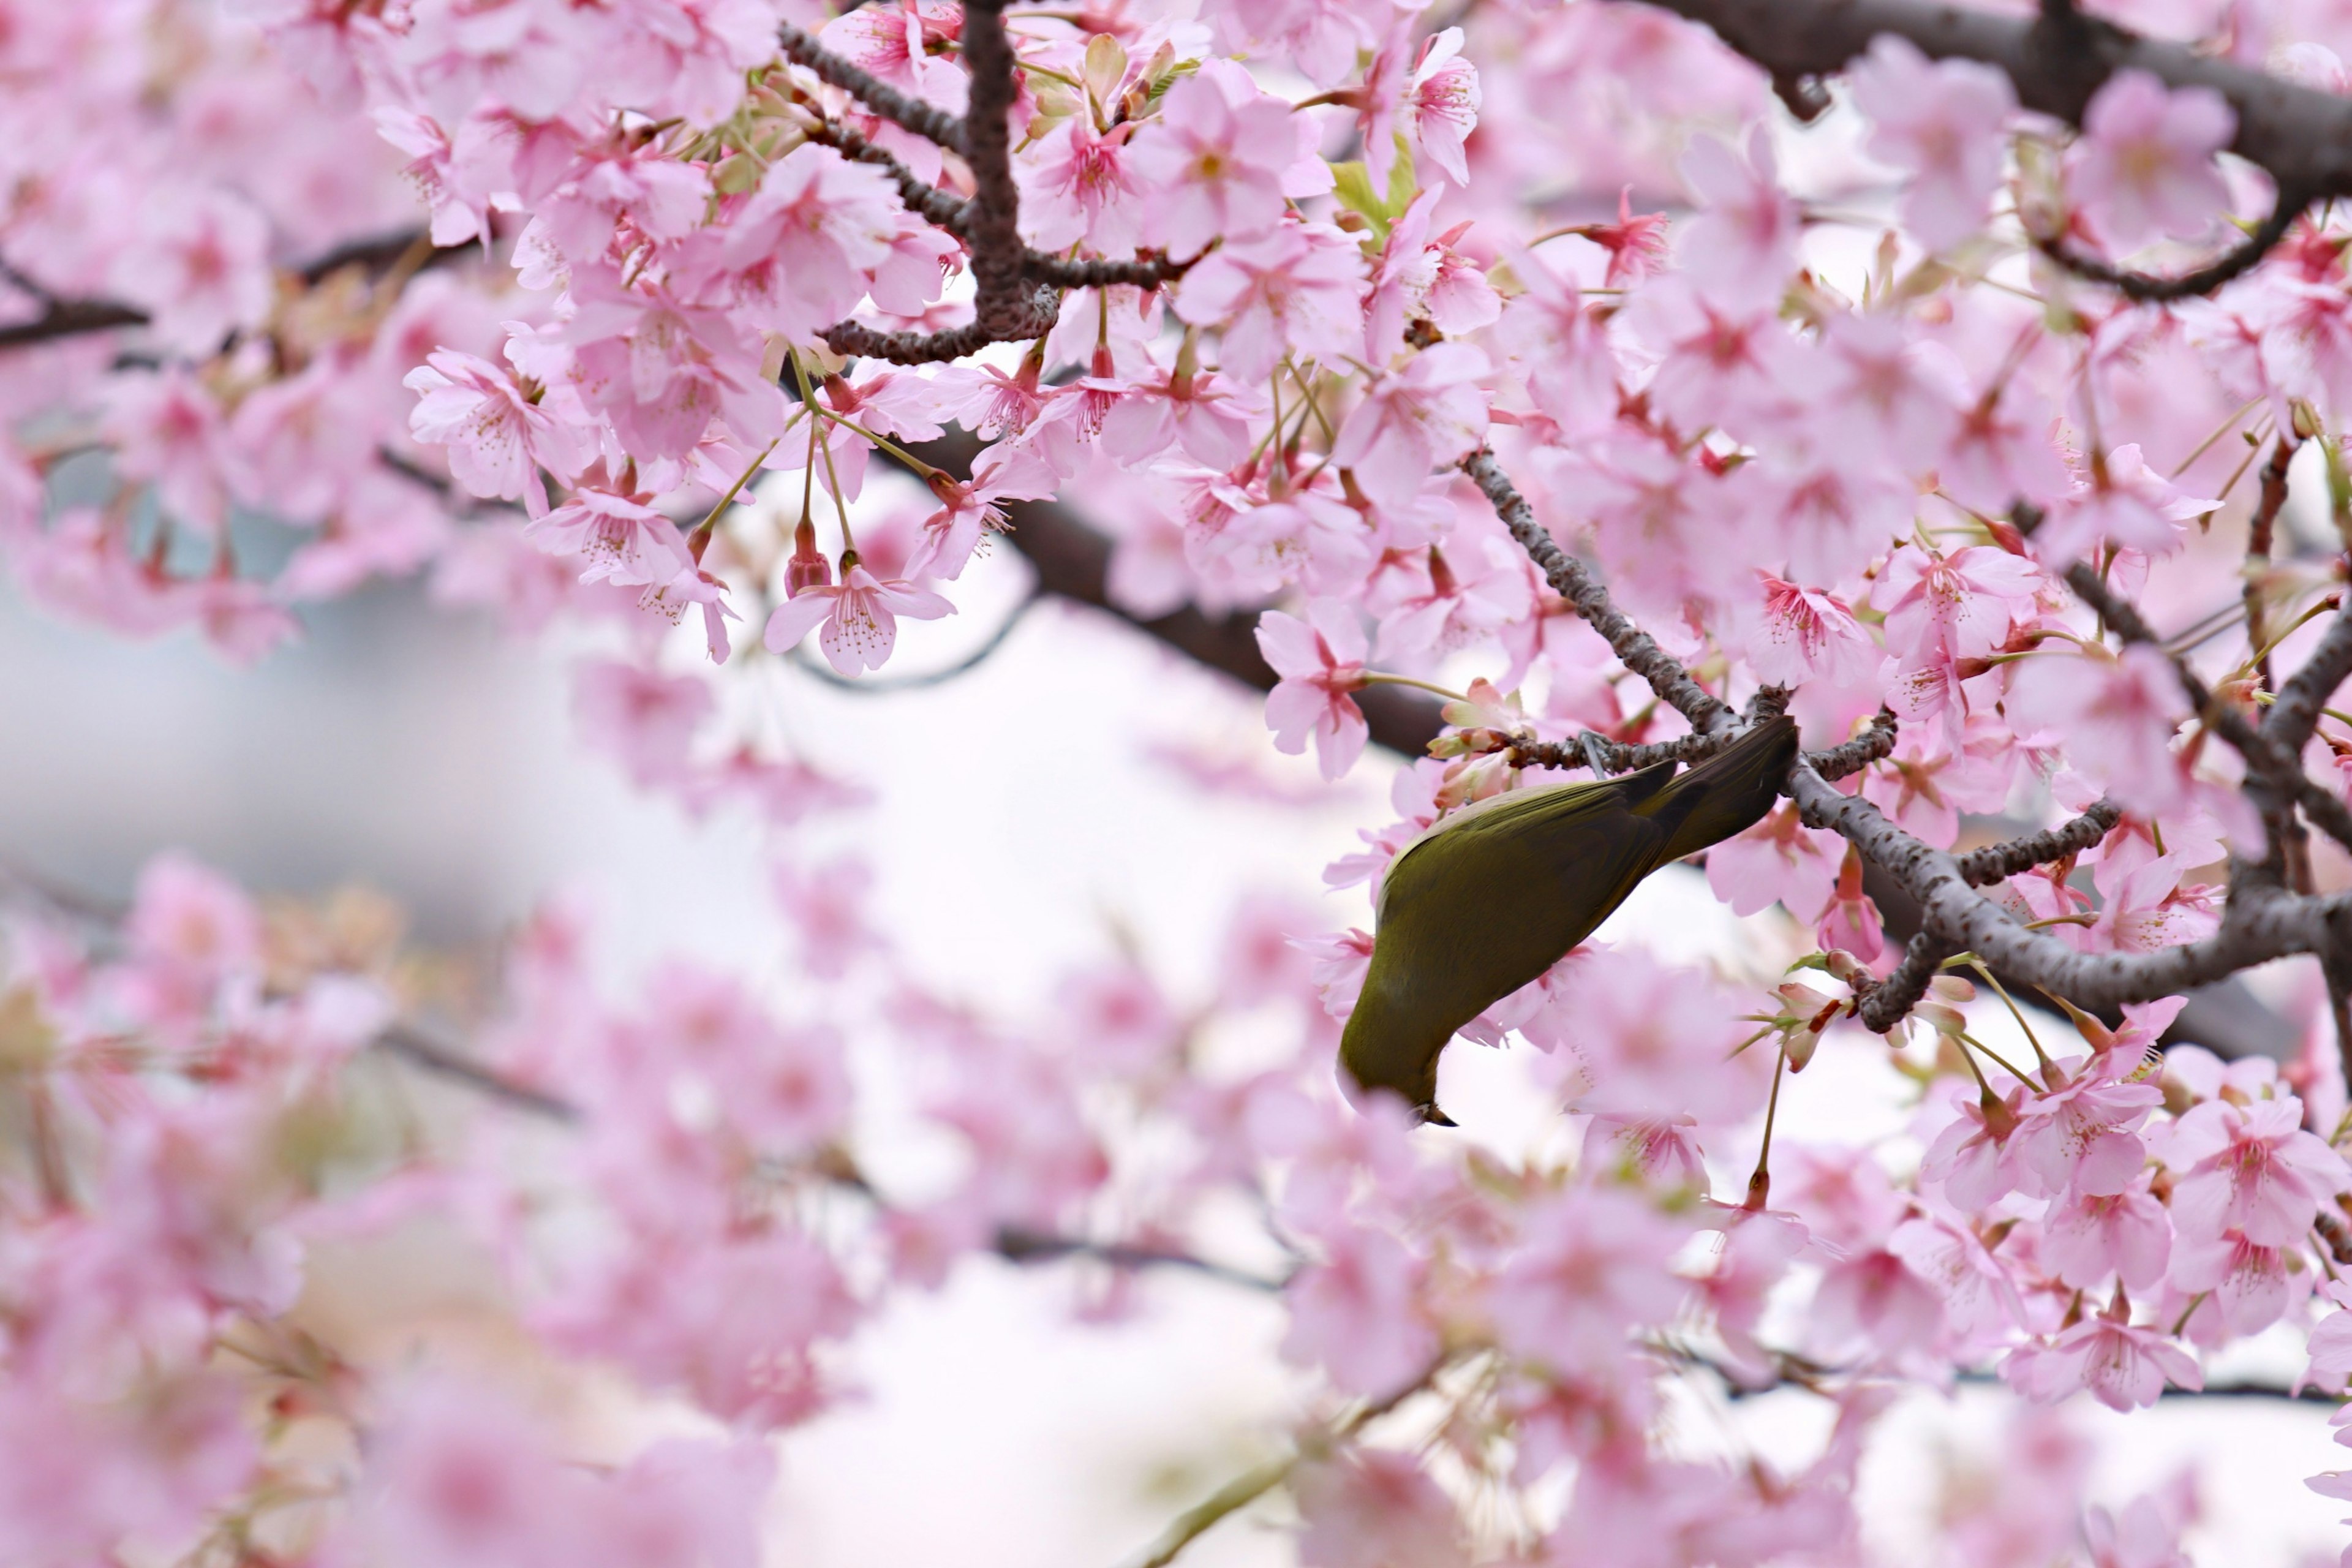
(2125, 1366)
(2144, 167)
(860, 617)
(1742, 245)
(1429, 415)
(1294, 289)
(1356, 1312)
(498, 438)
(2118, 716)
(1592, 1261)
(1942, 123)
(2083, 1136)
(2250, 1169)
(1320, 662)
(1222, 152)
(1076, 184)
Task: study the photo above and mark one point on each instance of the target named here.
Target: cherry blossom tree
(1513, 392)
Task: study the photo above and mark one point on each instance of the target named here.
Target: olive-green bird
(1495, 894)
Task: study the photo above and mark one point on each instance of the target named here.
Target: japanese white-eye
(1487, 899)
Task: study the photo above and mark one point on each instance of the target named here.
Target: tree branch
(1634, 648)
(2303, 137)
(931, 124)
(1998, 862)
(933, 204)
(2150, 287)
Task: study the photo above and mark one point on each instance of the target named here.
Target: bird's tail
(1729, 793)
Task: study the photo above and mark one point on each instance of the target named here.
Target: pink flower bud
(807, 567)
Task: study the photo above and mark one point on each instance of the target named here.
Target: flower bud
(807, 567)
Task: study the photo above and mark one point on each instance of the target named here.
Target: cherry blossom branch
(75, 318)
(2291, 719)
(2301, 136)
(1247, 1488)
(2259, 535)
(2148, 287)
(1848, 758)
(2277, 782)
(72, 318)
(1008, 303)
(1634, 648)
(412, 1045)
(2259, 922)
(1998, 862)
(1018, 1245)
(931, 124)
(940, 208)
(1884, 1005)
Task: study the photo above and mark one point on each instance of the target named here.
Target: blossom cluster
(531, 295)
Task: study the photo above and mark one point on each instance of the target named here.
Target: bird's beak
(1432, 1117)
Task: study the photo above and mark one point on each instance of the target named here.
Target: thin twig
(931, 124)
(1998, 862)
(2152, 288)
(1634, 648)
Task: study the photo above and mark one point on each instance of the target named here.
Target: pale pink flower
(1873, 373)
(2330, 1344)
(198, 264)
(617, 538)
(1418, 274)
(192, 922)
(1431, 414)
(2144, 1536)
(826, 904)
(1337, 965)
(1802, 634)
(1780, 860)
(1647, 1041)
(2126, 504)
(1591, 1266)
(1942, 123)
(166, 429)
(2143, 168)
(2125, 1367)
(1435, 108)
(2247, 1285)
(804, 248)
(1463, 598)
(1357, 1312)
(2087, 1241)
(1557, 344)
(498, 438)
(2000, 451)
(1440, 106)
(1971, 1158)
(1960, 605)
(2083, 1136)
(1217, 158)
(1320, 662)
(897, 43)
(1874, 1301)
(969, 510)
(1742, 245)
(2115, 717)
(1372, 1508)
(645, 720)
(1296, 290)
(693, 589)
(1077, 187)
(2250, 1169)
(860, 617)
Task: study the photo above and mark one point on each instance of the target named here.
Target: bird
(1488, 899)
